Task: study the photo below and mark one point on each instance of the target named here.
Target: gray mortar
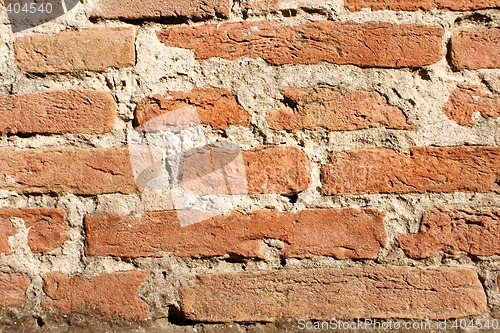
(256, 85)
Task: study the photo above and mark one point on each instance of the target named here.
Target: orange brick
(415, 5)
(110, 295)
(47, 227)
(475, 49)
(453, 232)
(342, 293)
(324, 107)
(56, 112)
(425, 169)
(370, 44)
(215, 107)
(466, 100)
(131, 10)
(341, 233)
(13, 289)
(74, 170)
(95, 49)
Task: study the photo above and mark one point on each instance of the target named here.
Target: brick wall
(369, 185)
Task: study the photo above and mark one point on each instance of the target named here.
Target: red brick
(466, 100)
(47, 227)
(6, 230)
(424, 169)
(56, 112)
(370, 44)
(324, 107)
(342, 293)
(268, 169)
(475, 49)
(75, 170)
(415, 5)
(453, 232)
(95, 49)
(340, 233)
(110, 295)
(13, 289)
(285, 6)
(215, 107)
(131, 10)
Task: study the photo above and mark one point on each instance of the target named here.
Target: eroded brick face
(13, 287)
(473, 232)
(94, 49)
(58, 170)
(47, 228)
(58, 112)
(382, 292)
(475, 48)
(344, 233)
(425, 169)
(109, 295)
(370, 44)
(406, 5)
(324, 107)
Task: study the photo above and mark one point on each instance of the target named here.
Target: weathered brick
(75, 170)
(286, 6)
(268, 169)
(47, 227)
(475, 49)
(95, 49)
(370, 44)
(466, 100)
(415, 5)
(6, 230)
(131, 10)
(110, 295)
(340, 233)
(56, 112)
(215, 107)
(472, 232)
(343, 293)
(424, 169)
(325, 107)
(13, 289)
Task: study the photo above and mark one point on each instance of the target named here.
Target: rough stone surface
(13, 289)
(110, 295)
(457, 231)
(130, 10)
(425, 169)
(47, 227)
(95, 49)
(475, 49)
(341, 233)
(55, 112)
(467, 100)
(324, 107)
(370, 44)
(75, 170)
(421, 4)
(380, 292)
(215, 107)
